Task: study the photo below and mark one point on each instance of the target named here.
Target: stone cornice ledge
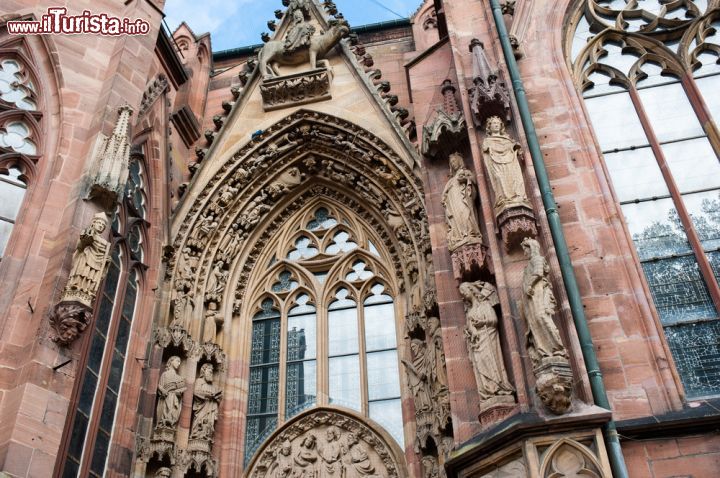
(703, 418)
(518, 427)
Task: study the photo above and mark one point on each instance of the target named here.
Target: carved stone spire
(111, 162)
(489, 97)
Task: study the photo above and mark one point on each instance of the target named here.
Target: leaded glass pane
(345, 381)
(301, 387)
(656, 229)
(341, 243)
(16, 136)
(693, 164)
(635, 174)
(322, 221)
(380, 327)
(704, 209)
(383, 375)
(342, 332)
(709, 86)
(5, 231)
(670, 113)
(388, 413)
(11, 197)
(304, 249)
(12, 87)
(678, 290)
(263, 395)
(360, 272)
(265, 342)
(601, 85)
(696, 350)
(616, 122)
(301, 337)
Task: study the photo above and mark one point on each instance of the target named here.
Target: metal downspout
(612, 441)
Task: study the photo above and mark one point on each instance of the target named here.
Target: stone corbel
(73, 313)
(111, 159)
(489, 97)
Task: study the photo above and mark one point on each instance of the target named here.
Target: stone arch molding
(330, 438)
(238, 210)
(569, 458)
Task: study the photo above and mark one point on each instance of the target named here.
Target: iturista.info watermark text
(57, 21)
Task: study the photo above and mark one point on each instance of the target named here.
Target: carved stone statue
(306, 458)
(300, 46)
(483, 340)
(459, 203)
(170, 390)
(330, 454)
(358, 463)
(299, 34)
(213, 322)
(206, 399)
(539, 306)
(283, 466)
(502, 160)
(88, 263)
(163, 472)
(183, 307)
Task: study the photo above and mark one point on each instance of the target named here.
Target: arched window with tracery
(324, 328)
(19, 122)
(649, 72)
(96, 399)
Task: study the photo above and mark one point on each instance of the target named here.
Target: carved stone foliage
(326, 443)
(502, 157)
(489, 97)
(111, 159)
(483, 340)
(547, 352)
(89, 264)
(297, 89)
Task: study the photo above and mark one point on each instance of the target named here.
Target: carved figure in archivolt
(459, 203)
(170, 390)
(206, 399)
(183, 307)
(88, 262)
(502, 160)
(483, 340)
(539, 306)
(213, 323)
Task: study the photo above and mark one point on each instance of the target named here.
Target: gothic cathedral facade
(474, 243)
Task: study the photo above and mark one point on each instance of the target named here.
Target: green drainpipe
(612, 441)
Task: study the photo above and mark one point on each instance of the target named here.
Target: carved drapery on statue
(547, 352)
(327, 443)
(513, 212)
(73, 313)
(169, 401)
(463, 235)
(483, 340)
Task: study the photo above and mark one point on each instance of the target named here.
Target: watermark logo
(58, 22)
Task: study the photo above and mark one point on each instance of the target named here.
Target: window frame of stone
(318, 277)
(131, 267)
(619, 59)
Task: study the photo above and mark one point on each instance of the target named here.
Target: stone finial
(111, 162)
(447, 127)
(489, 97)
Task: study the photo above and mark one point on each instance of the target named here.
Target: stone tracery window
(649, 72)
(323, 328)
(18, 96)
(99, 390)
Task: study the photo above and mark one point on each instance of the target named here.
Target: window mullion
(104, 372)
(322, 392)
(364, 392)
(702, 111)
(282, 368)
(692, 235)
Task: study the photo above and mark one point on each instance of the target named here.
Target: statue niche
(547, 352)
(325, 443)
(300, 45)
(502, 157)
